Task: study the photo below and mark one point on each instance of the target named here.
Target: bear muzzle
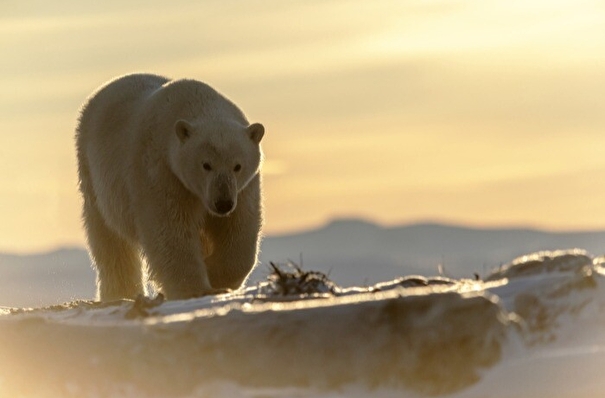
(223, 206)
(224, 200)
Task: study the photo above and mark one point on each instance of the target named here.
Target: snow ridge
(298, 330)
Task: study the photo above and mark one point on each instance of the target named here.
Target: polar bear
(169, 169)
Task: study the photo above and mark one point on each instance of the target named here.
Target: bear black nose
(223, 206)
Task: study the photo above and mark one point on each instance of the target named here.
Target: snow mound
(544, 262)
(298, 330)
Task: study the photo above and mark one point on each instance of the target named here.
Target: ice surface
(530, 329)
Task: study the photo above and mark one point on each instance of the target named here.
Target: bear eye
(207, 166)
(237, 167)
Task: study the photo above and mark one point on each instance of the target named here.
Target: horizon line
(350, 220)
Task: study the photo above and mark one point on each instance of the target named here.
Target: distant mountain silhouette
(354, 252)
(358, 251)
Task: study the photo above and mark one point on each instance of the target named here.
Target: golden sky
(488, 113)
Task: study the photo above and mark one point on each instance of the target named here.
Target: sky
(480, 112)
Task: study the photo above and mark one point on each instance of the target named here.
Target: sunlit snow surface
(534, 328)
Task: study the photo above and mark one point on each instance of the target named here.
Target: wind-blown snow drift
(424, 336)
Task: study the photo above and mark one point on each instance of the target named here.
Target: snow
(530, 329)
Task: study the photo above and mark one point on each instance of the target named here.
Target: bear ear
(183, 130)
(255, 132)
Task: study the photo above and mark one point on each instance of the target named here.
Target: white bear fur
(168, 169)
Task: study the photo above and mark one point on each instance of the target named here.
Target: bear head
(216, 159)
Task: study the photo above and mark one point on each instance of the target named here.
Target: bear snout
(223, 206)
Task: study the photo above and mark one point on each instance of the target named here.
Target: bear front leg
(234, 250)
(174, 259)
